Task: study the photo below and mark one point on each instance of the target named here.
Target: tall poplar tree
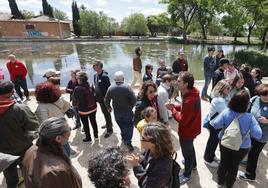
(76, 17)
(47, 9)
(14, 10)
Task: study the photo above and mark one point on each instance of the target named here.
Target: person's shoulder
(105, 74)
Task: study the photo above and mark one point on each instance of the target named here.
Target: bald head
(12, 58)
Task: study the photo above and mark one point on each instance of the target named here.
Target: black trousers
(21, 84)
(92, 118)
(253, 156)
(229, 164)
(11, 174)
(212, 144)
(107, 115)
(188, 152)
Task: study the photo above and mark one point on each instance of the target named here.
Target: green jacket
(16, 120)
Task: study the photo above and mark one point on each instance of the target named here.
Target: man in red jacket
(188, 115)
(18, 72)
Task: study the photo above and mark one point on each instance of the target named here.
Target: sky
(117, 9)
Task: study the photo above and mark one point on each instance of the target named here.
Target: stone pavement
(204, 176)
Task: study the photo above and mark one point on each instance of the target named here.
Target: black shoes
(76, 127)
(87, 140)
(103, 127)
(108, 134)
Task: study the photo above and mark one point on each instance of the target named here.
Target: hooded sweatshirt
(188, 115)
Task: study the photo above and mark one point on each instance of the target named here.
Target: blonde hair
(219, 88)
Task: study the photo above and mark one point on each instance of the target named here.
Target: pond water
(66, 56)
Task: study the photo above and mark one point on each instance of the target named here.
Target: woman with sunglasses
(146, 97)
(259, 109)
(154, 167)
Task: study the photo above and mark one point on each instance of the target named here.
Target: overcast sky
(117, 9)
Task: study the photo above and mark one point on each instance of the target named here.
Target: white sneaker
(212, 164)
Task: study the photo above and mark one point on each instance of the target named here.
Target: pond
(66, 56)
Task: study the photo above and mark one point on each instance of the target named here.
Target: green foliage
(15, 10)
(254, 58)
(158, 24)
(136, 24)
(47, 9)
(59, 14)
(27, 14)
(76, 17)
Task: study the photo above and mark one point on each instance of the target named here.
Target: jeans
(77, 116)
(67, 150)
(253, 156)
(212, 144)
(208, 78)
(21, 84)
(228, 167)
(137, 77)
(107, 115)
(126, 125)
(11, 175)
(188, 152)
(92, 118)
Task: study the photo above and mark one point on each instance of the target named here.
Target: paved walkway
(203, 177)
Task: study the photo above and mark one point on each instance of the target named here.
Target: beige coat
(48, 110)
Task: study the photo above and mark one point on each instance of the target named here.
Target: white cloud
(153, 11)
(101, 2)
(102, 10)
(67, 3)
(126, 0)
(29, 3)
(70, 15)
(134, 8)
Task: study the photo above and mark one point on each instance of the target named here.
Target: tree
(15, 10)
(76, 17)
(47, 9)
(157, 24)
(136, 24)
(27, 14)
(182, 10)
(60, 14)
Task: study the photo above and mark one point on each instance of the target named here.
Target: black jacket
(218, 75)
(104, 83)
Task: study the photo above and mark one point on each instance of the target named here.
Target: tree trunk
(204, 32)
(264, 34)
(235, 36)
(249, 34)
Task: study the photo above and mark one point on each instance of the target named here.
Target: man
(102, 83)
(16, 122)
(180, 64)
(163, 97)
(45, 164)
(219, 56)
(137, 67)
(219, 73)
(188, 115)
(18, 72)
(209, 68)
(51, 73)
(124, 100)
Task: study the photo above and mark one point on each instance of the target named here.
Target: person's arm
(42, 114)
(132, 97)
(186, 65)
(28, 119)
(219, 121)
(162, 99)
(68, 89)
(107, 99)
(255, 129)
(206, 62)
(23, 69)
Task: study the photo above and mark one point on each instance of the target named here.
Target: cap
(224, 61)
(51, 72)
(118, 76)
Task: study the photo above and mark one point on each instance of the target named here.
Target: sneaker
(183, 179)
(108, 134)
(87, 140)
(245, 177)
(212, 164)
(183, 162)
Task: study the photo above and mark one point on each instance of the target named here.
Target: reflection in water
(65, 57)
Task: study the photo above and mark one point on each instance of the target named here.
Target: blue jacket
(209, 65)
(104, 83)
(257, 110)
(247, 124)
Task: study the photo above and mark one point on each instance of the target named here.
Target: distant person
(209, 68)
(148, 76)
(18, 72)
(109, 169)
(44, 164)
(102, 83)
(188, 115)
(137, 67)
(17, 122)
(70, 89)
(161, 71)
(245, 69)
(180, 64)
(123, 100)
(231, 72)
(219, 73)
(53, 76)
(238, 85)
(256, 74)
(219, 56)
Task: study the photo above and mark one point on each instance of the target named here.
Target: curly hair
(161, 138)
(108, 169)
(47, 92)
(144, 88)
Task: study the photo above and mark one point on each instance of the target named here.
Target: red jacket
(16, 69)
(188, 115)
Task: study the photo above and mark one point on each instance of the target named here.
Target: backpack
(175, 180)
(232, 137)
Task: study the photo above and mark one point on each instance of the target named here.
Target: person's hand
(109, 109)
(126, 181)
(169, 105)
(133, 160)
(263, 120)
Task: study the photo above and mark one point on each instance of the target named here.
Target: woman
(154, 167)
(238, 84)
(259, 109)
(230, 159)
(256, 74)
(50, 104)
(218, 104)
(146, 97)
(83, 97)
(148, 76)
(44, 164)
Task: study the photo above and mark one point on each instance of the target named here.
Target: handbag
(232, 137)
(206, 120)
(70, 113)
(175, 181)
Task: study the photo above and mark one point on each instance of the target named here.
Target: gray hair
(53, 127)
(119, 76)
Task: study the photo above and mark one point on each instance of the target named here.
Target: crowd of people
(237, 122)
